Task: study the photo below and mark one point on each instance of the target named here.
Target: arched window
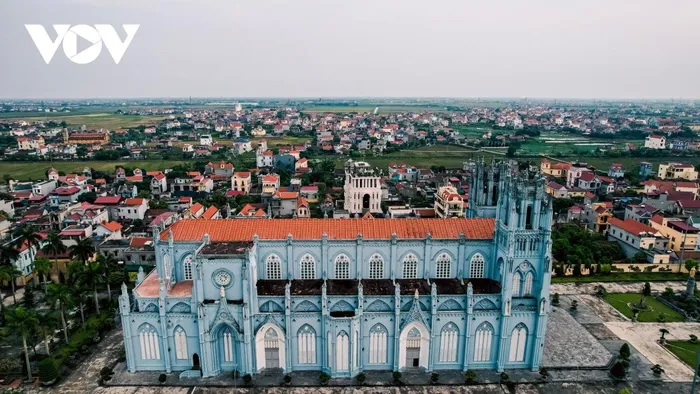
(342, 352)
(148, 340)
(482, 346)
(306, 340)
(273, 267)
(308, 267)
(443, 266)
(376, 266)
(518, 339)
(180, 344)
(166, 266)
(516, 284)
(377, 344)
(187, 268)
(448, 343)
(342, 267)
(410, 266)
(227, 337)
(476, 266)
(527, 290)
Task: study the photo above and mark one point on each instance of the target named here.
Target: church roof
(227, 230)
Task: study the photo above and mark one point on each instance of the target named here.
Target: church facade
(350, 295)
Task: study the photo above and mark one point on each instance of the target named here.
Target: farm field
(383, 109)
(104, 120)
(564, 143)
(621, 302)
(629, 163)
(37, 170)
(450, 156)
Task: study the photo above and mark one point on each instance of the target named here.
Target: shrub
(434, 377)
(48, 371)
(574, 305)
(668, 293)
(618, 370)
(600, 291)
(287, 379)
(657, 369)
(504, 377)
(105, 374)
(544, 373)
(360, 378)
(470, 377)
(162, 378)
(625, 352)
(397, 376)
(693, 338)
(10, 366)
(235, 374)
(323, 378)
(555, 299)
(247, 379)
(661, 318)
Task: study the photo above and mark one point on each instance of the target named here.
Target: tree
(107, 265)
(53, 245)
(48, 371)
(42, 267)
(625, 352)
(690, 264)
(46, 327)
(22, 322)
(83, 250)
(89, 275)
(59, 296)
(162, 378)
(30, 238)
(9, 273)
(8, 254)
(646, 292)
(663, 332)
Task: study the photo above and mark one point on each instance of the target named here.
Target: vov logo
(95, 36)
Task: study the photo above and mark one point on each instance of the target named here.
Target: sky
(605, 49)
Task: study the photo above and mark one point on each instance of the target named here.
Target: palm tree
(82, 250)
(8, 254)
(29, 237)
(663, 332)
(42, 266)
(60, 296)
(107, 265)
(54, 246)
(90, 276)
(46, 327)
(22, 322)
(8, 273)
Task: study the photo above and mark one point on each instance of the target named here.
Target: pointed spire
(125, 290)
(222, 292)
(415, 294)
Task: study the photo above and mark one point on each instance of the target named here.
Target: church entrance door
(272, 358)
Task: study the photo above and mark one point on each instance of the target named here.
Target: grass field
(98, 120)
(686, 351)
(621, 301)
(628, 163)
(450, 156)
(37, 170)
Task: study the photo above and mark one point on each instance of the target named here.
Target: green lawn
(686, 351)
(104, 120)
(621, 301)
(37, 170)
(450, 156)
(621, 277)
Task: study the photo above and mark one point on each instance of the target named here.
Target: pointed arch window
(227, 337)
(150, 346)
(518, 339)
(180, 344)
(306, 339)
(443, 266)
(308, 267)
(448, 343)
(482, 346)
(342, 267)
(377, 344)
(166, 266)
(376, 266)
(516, 284)
(476, 266)
(342, 351)
(273, 267)
(410, 266)
(187, 268)
(527, 289)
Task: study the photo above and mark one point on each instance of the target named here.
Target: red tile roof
(111, 226)
(224, 230)
(631, 226)
(134, 201)
(210, 212)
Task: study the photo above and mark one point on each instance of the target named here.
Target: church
(350, 295)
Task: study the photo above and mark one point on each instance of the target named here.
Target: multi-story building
(241, 182)
(363, 188)
(682, 236)
(448, 203)
(30, 142)
(677, 171)
(346, 296)
(655, 142)
(85, 138)
(634, 237)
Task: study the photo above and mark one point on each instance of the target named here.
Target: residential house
(673, 170)
(284, 204)
(655, 142)
(449, 203)
(682, 237)
(241, 182)
(108, 230)
(132, 209)
(635, 237)
(616, 171)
